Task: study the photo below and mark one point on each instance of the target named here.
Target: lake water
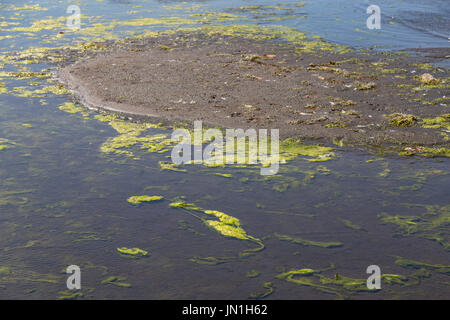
(64, 202)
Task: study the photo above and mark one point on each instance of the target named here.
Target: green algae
(304, 242)
(427, 152)
(282, 183)
(116, 281)
(349, 224)
(70, 107)
(225, 175)
(423, 66)
(432, 224)
(260, 295)
(164, 165)
(132, 252)
(406, 263)
(413, 187)
(89, 237)
(6, 144)
(442, 121)
(291, 147)
(70, 295)
(402, 120)
(38, 93)
(211, 261)
(130, 135)
(184, 205)
(226, 225)
(252, 274)
(24, 75)
(442, 101)
(341, 286)
(140, 199)
(13, 274)
(167, 48)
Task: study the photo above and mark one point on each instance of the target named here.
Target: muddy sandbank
(358, 97)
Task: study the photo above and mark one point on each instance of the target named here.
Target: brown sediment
(240, 83)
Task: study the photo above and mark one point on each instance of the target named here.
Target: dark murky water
(63, 202)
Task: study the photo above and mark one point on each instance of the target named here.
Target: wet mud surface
(356, 97)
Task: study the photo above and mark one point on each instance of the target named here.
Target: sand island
(355, 97)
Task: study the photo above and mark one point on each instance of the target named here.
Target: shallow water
(64, 202)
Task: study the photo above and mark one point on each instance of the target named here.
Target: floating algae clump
(132, 252)
(428, 79)
(140, 199)
(421, 265)
(70, 295)
(130, 135)
(350, 224)
(339, 285)
(432, 152)
(226, 225)
(443, 121)
(402, 120)
(184, 205)
(211, 261)
(304, 242)
(292, 147)
(6, 144)
(433, 224)
(223, 217)
(426, 152)
(260, 295)
(116, 281)
(252, 274)
(164, 165)
(226, 229)
(70, 107)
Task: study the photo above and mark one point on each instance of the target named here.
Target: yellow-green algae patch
(164, 165)
(211, 261)
(304, 242)
(291, 147)
(349, 224)
(225, 225)
(402, 120)
(23, 274)
(442, 121)
(342, 286)
(6, 144)
(428, 152)
(70, 107)
(140, 199)
(252, 273)
(432, 224)
(406, 263)
(184, 205)
(116, 281)
(260, 295)
(132, 252)
(130, 134)
(24, 92)
(70, 295)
